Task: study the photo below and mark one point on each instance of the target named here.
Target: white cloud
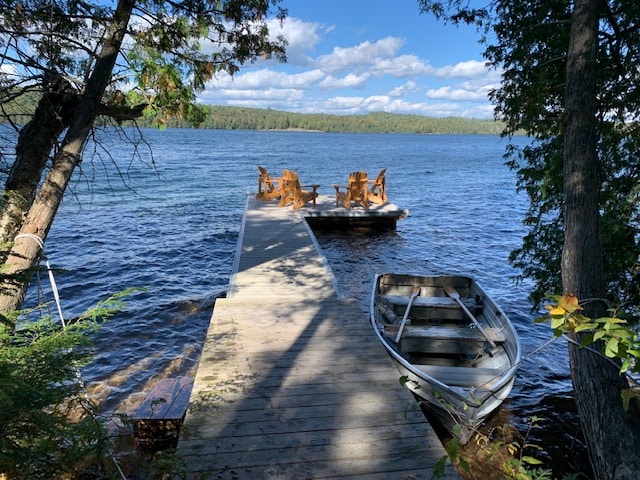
(265, 78)
(403, 66)
(409, 87)
(238, 96)
(362, 55)
(351, 80)
(302, 37)
(468, 69)
(457, 94)
(9, 70)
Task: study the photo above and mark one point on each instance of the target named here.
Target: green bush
(48, 426)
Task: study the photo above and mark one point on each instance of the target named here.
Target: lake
(167, 216)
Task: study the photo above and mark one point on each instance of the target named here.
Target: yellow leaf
(557, 311)
(569, 303)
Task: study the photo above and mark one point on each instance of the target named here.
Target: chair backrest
(290, 179)
(378, 190)
(357, 186)
(380, 178)
(268, 188)
(290, 185)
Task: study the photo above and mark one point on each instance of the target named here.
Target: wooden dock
(292, 382)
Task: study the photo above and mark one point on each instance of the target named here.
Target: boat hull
(459, 373)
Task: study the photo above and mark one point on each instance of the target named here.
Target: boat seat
(438, 339)
(439, 332)
(463, 376)
(402, 300)
(430, 308)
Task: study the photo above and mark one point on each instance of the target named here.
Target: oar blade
(452, 292)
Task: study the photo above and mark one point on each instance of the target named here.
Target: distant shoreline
(243, 118)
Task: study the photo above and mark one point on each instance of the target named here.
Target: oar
(449, 290)
(414, 293)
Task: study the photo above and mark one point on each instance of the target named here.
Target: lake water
(168, 217)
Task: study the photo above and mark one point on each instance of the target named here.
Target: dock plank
(292, 383)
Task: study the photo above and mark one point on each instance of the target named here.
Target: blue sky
(359, 56)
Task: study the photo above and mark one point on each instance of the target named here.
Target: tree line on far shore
(244, 118)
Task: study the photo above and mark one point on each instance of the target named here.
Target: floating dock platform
(292, 383)
(326, 215)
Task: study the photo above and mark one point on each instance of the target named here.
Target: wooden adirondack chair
(378, 189)
(357, 191)
(268, 188)
(292, 191)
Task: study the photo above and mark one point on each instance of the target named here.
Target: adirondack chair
(268, 188)
(378, 189)
(357, 191)
(292, 191)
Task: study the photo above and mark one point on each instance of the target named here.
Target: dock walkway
(292, 383)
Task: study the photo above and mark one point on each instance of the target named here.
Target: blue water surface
(166, 217)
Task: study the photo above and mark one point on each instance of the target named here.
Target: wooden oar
(449, 290)
(414, 293)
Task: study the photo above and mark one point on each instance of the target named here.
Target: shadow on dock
(292, 382)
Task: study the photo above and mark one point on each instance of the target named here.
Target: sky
(360, 56)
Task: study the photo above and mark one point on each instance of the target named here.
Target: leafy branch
(610, 336)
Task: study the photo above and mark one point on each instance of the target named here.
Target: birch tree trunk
(613, 435)
(25, 252)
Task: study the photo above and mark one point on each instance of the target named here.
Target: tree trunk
(35, 143)
(613, 435)
(25, 251)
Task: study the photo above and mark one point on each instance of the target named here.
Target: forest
(241, 118)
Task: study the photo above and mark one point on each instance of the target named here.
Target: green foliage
(233, 118)
(614, 337)
(528, 41)
(173, 49)
(37, 392)
(47, 425)
(452, 449)
(502, 450)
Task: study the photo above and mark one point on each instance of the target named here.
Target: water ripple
(174, 230)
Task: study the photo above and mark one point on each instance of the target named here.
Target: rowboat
(455, 349)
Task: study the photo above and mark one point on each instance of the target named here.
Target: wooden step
(157, 422)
